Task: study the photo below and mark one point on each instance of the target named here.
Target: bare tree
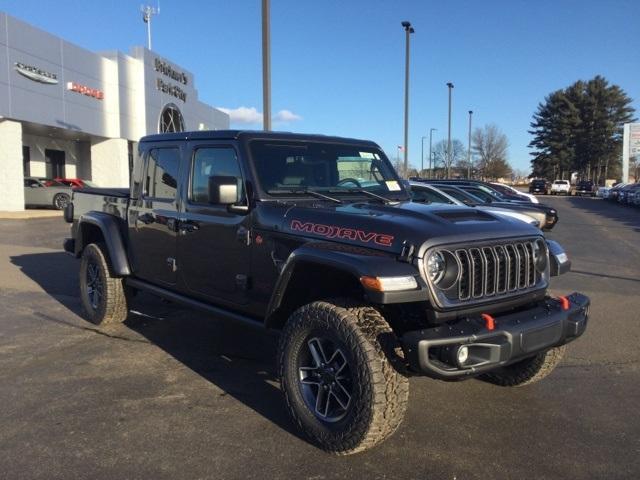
(490, 147)
(458, 154)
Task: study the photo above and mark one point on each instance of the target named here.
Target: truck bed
(113, 201)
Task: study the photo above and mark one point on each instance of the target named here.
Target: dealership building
(72, 113)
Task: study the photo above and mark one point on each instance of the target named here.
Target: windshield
(284, 167)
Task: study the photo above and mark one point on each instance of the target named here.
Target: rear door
(213, 241)
(153, 215)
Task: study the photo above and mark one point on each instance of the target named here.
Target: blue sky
(338, 65)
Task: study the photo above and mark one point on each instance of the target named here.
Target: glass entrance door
(55, 163)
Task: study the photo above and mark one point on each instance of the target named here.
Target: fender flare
(110, 228)
(355, 263)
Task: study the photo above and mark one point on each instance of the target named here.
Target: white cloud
(250, 115)
(286, 116)
(244, 115)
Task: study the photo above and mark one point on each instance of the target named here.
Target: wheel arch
(320, 271)
(101, 227)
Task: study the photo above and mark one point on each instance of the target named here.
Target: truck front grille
(495, 270)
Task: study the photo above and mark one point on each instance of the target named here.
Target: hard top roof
(251, 135)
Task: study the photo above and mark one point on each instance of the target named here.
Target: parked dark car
(615, 191)
(585, 187)
(539, 186)
(316, 236)
(626, 195)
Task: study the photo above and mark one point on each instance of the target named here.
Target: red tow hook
(489, 321)
(564, 302)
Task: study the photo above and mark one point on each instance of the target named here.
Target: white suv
(560, 186)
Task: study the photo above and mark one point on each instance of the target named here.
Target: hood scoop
(467, 215)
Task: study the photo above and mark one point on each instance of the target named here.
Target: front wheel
(60, 201)
(528, 371)
(341, 375)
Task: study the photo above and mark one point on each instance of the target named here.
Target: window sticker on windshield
(392, 185)
(366, 155)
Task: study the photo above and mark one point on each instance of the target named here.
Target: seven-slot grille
(495, 270)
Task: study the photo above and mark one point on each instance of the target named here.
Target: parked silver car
(44, 192)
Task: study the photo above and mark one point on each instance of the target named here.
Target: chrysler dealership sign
(36, 74)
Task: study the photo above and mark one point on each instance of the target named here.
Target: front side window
(297, 166)
(210, 162)
(161, 180)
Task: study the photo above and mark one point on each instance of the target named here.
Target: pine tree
(579, 129)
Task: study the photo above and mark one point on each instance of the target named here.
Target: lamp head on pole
(407, 26)
(450, 85)
(470, 112)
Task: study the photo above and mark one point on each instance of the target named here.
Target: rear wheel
(60, 201)
(102, 294)
(526, 371)
(341, 375)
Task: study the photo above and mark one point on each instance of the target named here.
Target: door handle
(243, 235)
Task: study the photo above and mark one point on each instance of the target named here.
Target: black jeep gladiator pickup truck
(316, 236)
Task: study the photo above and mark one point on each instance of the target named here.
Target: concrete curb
(29, 214)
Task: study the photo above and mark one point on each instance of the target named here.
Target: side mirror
(223, 190)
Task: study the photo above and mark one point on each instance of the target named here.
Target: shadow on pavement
(238, 359)
(627, 215)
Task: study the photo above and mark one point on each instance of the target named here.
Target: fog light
(462, 355)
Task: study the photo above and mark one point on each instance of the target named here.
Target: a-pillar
(11, 166)
(110, 162)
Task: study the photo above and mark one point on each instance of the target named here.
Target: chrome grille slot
(490, 273)
(464, 286)
(496, 270)
(478, 268)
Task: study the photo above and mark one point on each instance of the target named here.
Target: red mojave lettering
(333, 231)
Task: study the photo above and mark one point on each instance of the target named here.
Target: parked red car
(76, 182)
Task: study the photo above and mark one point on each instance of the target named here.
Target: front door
(54, 160)
(213, 240)
(153, 217)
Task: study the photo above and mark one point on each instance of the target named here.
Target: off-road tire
(60, 201)
(112, 306)
(380, 389)
(527, 371)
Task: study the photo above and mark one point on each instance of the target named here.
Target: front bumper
(433, 351)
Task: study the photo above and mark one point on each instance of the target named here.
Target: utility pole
(147, 12)
(450, 85)
(266, 65)
(431, 130)
(408, 31)
(422, 154)
(469, 147)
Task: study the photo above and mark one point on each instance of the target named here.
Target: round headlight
(540, 256)
(436, 266)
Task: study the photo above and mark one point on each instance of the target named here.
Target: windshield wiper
(366, 192)
(299, 191)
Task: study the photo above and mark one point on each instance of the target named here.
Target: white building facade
(70, 113)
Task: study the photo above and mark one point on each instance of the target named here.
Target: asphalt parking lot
(176, 394)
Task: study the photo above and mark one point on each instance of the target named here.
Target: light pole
(469, 147)
(147, 12)
(266, 66)
(450, 85)
(408, 31)
(431, 130)
(422, 153)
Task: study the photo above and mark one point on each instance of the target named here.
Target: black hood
(388, 227)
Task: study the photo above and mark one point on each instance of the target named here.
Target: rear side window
(428, 196)
(211, 162)
(161, 179)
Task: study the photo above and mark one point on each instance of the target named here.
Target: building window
(171, 120)
(26, 160)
